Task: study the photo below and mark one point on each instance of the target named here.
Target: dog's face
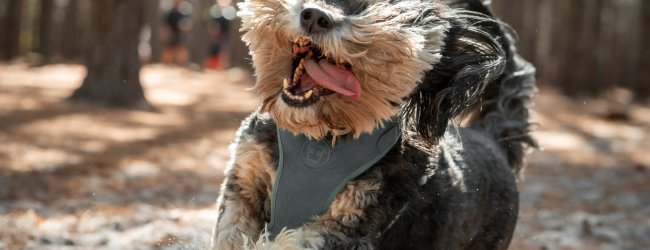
(339, 66)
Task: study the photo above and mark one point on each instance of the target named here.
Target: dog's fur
(426, 62)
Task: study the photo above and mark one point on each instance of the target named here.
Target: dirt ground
(83, 177)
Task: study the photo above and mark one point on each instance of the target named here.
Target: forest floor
(84, 177)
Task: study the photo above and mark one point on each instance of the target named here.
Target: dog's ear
(471, 59)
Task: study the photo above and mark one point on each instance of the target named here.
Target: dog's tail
(505, 102)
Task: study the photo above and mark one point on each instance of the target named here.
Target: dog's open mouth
(314, 75)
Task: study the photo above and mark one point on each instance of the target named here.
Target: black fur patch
(471, 58)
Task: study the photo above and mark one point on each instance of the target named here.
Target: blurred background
(115, 116)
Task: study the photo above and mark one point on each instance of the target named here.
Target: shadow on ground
(91, 178)
(88, 176)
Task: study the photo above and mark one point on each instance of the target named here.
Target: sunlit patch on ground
(92, 178)
(589, 186)
(89, 177)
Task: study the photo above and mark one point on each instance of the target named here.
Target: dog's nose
(315, 21)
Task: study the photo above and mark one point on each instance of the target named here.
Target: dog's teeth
(298, 73)
(302, 64)
(285, 84)
(309, 55)
(288, 93)
(308, 94)
(292, 96)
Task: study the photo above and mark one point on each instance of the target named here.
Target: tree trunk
(113, 77)
(11, 35)
(239, 57)
(584, 47)
(3, 18)
(643, 80)
(45, 44)
(73, 38)
(153, 20)
(198, 44)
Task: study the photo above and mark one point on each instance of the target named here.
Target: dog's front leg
(346, 225)
(244, 200)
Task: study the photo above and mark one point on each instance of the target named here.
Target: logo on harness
(315, 153)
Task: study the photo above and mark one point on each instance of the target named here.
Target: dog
(378, 87)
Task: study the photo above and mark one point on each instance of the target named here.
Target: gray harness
(311, 173)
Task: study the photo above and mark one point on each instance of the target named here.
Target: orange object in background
(175, 54)
(212, 62)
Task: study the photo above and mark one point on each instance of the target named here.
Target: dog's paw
(300, 239)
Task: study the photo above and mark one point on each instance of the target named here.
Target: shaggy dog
(337, 71)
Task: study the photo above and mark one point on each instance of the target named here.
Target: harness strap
(311, 172)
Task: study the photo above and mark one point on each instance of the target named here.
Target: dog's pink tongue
(335, 78)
